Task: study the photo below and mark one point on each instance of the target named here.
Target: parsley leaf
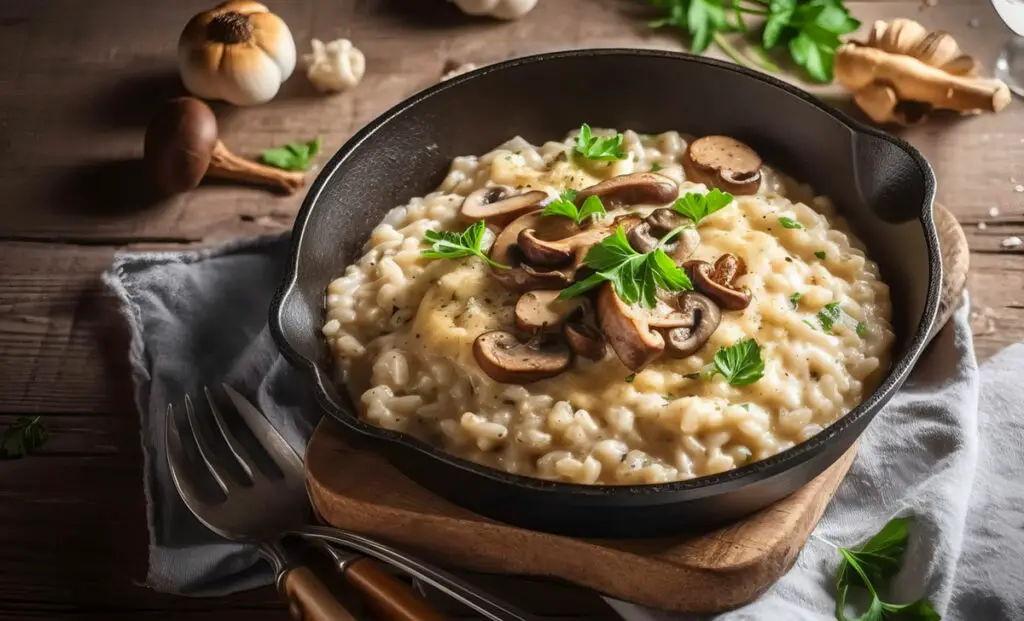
(292, 156)
(820, 254)
(790, 223)
(597, 148)
(873, 564)
(630, 378)
(452, 245)
(862, 329)
(636, 277)
(655, 167)
(740, 363)
(565, 205)
(795, 300)
(828, 316)
(27, 434)
(696, 206)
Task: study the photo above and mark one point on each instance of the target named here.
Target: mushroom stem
(226, 165)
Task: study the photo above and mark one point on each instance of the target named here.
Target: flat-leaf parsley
(741, 363)
(697, 206)
(565, 205)
(452, 245)
(292, 156)
(636, 277)
(598, 148)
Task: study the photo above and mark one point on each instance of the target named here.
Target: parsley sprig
(741, 363)
(636, 277)
(598, 148)
(873, 564)
(27, 434)
(697, 206)
(293, 156)
(565, 205)
(809, 30)
(452, 245)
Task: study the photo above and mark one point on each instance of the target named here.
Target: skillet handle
(308, 598)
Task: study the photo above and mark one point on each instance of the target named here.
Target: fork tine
(269, 438)
(241, 455)
(176, 461)
(221, 477)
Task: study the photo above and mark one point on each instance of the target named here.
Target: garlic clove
(273, 37)
(247, 78)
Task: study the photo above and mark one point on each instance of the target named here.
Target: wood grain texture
(76, 89)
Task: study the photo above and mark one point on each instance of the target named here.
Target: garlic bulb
(501, 9)
(238, 51)
(334, 67)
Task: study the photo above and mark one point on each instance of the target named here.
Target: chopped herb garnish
(696, 206)
(795, 300)
(789, 223)
(635, 276)
(828, 316)
(745, 406)
(655, 167)
(24, 436)
(292, 156)
(565, 205)
(740, 363)
(452, 245)
(862, 329)
(869, 567)
(598, 148)
(630, 378)
(820, 254)
(810, 325)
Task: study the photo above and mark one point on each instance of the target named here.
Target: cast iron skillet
(881, 185)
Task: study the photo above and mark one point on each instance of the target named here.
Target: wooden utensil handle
(309, 599)
(388, 595)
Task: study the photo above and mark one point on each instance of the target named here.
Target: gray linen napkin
(947, 450)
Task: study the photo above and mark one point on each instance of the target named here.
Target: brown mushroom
(632, 189)
(505, 251)
(704, 317)
(630, 336)
(645, 236)
(181, 147)
(542, 310)
(718, 281)
(724, 163)
(499, 205)
(561, 252)
(584, 340)
(502, 357)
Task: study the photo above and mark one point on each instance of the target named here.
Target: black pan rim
(696, 487)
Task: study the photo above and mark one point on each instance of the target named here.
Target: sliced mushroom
(502, 357)
(632, 189)
(645, 236)
(505, 251)
(571, 249)
(630, 336)
(704, 317)
(584, 340)
(540, 310)
(500, 204)
(718, 281)
(724, 163)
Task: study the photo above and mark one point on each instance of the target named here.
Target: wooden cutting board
(356, 489)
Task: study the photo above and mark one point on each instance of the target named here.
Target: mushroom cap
(541, 310)
(718, 281)
(633, 189)
(586, 341)
(645, 236)
(724, 163)
(629, 335)
(505, 250)
(704, 319)
(500, 204)
(179, 142)
(502, 357)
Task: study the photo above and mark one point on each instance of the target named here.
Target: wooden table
(77, 84)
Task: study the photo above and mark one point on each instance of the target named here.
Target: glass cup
(1010, 63)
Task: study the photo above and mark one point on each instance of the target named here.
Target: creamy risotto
(758, 325)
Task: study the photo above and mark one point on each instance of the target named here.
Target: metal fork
(262, 509)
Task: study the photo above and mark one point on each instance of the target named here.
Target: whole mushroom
(505, 359)
(704, 317)
(182, 147)
(632, 189)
